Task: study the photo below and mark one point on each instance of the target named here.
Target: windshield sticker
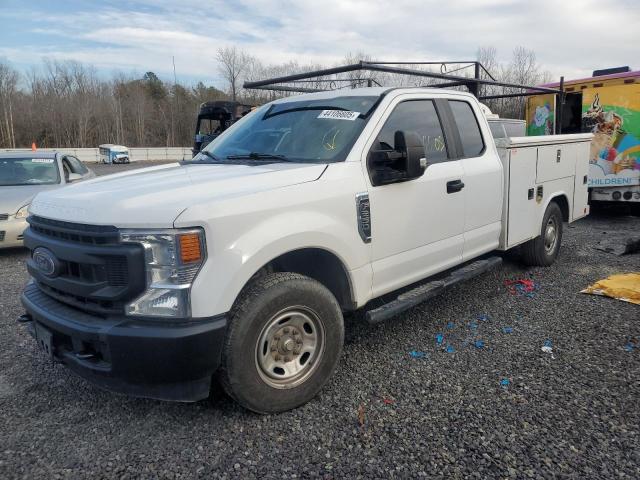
(42, 160)
(339, 115)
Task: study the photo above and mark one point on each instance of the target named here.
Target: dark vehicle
(214, 118)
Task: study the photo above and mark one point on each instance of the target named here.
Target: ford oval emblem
(46, 262)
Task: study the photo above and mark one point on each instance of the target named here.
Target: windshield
(319, 130)
(28, 171)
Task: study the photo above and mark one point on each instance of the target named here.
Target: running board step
(428, 290)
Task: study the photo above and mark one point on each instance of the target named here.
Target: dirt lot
(495, 405)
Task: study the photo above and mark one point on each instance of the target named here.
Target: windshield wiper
(211, 156)
(213, 159)
(259, 156)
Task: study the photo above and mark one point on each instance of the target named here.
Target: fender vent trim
(363, 211)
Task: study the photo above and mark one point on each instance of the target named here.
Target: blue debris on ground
(478, 344)
(418, 354)
(504, 382)
(439, 338)
(507, 329)
(450, 349)
(451, 325)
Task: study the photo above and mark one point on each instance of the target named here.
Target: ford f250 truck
(239, 264)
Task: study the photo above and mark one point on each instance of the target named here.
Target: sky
(569, 37)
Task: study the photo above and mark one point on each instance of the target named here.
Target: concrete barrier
(136, 154)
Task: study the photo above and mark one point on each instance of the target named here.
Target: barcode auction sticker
(42, 160)
(339, 115)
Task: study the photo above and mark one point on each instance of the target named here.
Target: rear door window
(467, 123)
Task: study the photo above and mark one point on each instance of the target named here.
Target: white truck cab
(240, 263)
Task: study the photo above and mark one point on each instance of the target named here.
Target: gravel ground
(570, 413)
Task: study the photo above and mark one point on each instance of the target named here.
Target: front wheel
(283, 343)
(543, 250)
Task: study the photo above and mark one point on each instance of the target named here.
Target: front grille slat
(2, 234)
(82, 303)
(4, 216)
(75, 232)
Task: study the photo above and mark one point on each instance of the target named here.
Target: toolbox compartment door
(521, 196)
(580, 189)
(555, 161)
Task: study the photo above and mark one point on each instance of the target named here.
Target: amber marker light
(190, 250)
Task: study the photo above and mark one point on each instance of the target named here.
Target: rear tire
(283, 343)
(543, 250)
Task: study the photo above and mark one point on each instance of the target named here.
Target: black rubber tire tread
(239, 377)
(533, 252)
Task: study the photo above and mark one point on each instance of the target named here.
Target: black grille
(2, 236)
(113, 270)
(101, 307)
(95, 272)
(74, 232)
(117, 271)
(4, 216)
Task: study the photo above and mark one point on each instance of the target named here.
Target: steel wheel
(551, 234)
(290, 347)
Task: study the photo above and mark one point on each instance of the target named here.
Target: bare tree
(66, 104)
(233, 63)
(522, 69)
(8, 84)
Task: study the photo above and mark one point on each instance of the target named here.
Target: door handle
(454, 186)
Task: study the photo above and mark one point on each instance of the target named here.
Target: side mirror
(73, 177)
(405, 162)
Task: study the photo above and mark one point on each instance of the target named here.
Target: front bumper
(154, 359)
(11, 232)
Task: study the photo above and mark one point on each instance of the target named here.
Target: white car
(240, 263)
(22, 176)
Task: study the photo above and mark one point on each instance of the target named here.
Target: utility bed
(534, 167)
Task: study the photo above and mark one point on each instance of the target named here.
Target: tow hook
(25, 318)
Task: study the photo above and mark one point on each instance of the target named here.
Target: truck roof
(112, 146)
(612, 76)
(369, 91)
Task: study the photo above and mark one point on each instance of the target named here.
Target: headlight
(23, 212)
(172, 260)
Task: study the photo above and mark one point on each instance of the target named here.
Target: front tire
(283, 343)
(543, 250)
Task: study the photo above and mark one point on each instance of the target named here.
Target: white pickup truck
(239, 264)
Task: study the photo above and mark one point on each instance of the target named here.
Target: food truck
(606, 104)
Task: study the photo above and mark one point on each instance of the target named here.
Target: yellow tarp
(625, 287)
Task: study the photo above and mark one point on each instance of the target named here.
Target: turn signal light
(190, 250)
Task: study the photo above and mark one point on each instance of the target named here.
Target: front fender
(234, 258)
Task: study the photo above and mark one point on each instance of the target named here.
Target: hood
(154, 197)
(14, 198)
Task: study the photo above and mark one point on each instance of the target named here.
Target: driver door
(417, 225)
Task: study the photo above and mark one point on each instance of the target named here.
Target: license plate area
(44, 337)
